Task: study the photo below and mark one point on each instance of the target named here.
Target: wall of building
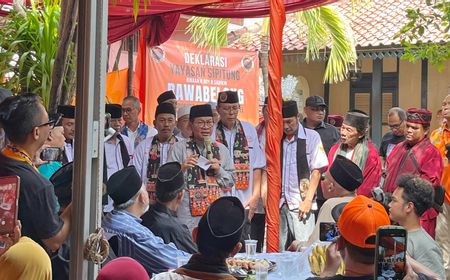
(339, 101)
(409, 83)
(313, 72)
(438, 88)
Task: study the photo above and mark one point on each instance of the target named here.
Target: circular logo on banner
(247, 63)
(158, 53)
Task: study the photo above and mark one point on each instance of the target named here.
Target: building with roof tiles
(383, 81)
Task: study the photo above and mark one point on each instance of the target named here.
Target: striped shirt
(139, 243)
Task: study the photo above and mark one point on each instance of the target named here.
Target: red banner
(197, 76)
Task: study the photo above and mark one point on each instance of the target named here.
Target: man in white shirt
(339, 185)
(303, 157)
(152, 152)
(183, 122)
(241, 139)
(136, 130)
(118, 149)
(67, 113)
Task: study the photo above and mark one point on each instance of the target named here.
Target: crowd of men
(195, 183)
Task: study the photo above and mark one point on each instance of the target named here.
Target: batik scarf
(360, 154)
(19, 154)
(241, 155)
(202, 186)
(154, 161)
(142, 131)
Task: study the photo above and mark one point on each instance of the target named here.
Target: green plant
(327, 27)
(323, 25)
(28, 46)
(435, 18)
(210, 32)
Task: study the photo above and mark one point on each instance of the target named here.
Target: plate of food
(241, 268)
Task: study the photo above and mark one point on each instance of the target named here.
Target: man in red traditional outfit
(356, 146)
(441, 139)
(416, 155)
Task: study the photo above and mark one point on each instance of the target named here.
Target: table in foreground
(290, 265)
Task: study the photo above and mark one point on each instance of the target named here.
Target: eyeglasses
(207, 124)
(232, 109)
(127, 110)
(51, 123)
(395, 126)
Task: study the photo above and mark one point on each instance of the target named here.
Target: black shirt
(164, 223)
(341, 277)
(328, 134)
(388, 142)
(37, 204)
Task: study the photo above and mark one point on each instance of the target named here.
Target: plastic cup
(250, 248)
(262, 271)
(287, 267)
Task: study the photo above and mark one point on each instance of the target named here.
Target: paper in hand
(202, 162)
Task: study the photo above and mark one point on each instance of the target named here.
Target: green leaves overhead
(325, 27)
(210, 32)
(436, 18)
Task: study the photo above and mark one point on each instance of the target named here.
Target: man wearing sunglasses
(26, 122)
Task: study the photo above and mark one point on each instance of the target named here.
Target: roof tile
(374, 24)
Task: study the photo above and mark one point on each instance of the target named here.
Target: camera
(51, 154)
(382, 197)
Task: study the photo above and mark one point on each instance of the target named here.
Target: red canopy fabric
(252, 8)
(274, 129)
(164, 16)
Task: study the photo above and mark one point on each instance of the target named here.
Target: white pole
(88, 162)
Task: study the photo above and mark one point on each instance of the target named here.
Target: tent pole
(90, 100)
(274, 128)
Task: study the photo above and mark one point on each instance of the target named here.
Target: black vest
(302, 161)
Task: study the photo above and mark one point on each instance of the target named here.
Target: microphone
(207, 142)
(109, 133)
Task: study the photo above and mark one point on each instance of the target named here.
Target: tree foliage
(211, 32)
(28, 47)
(436, 18)
(327, 27)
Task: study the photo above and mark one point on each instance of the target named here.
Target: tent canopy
(162, 16)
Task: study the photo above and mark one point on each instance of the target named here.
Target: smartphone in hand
(390, 254)
(9, 199)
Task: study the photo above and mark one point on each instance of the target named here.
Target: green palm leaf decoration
(323, 26)
(210, 32)
(326, 27)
